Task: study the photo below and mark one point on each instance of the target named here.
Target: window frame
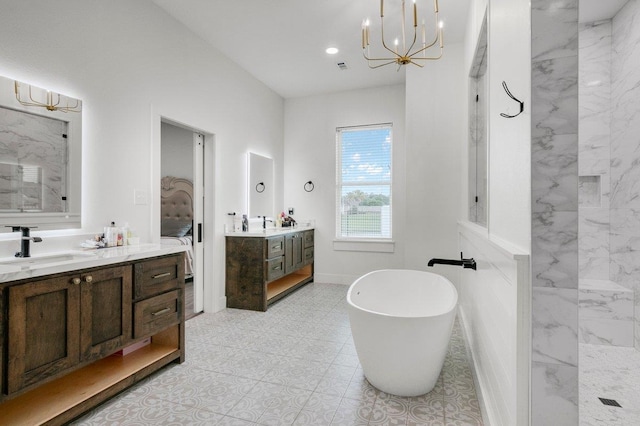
(340, 184)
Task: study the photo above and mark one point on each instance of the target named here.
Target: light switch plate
(290, 211)
(140, 197)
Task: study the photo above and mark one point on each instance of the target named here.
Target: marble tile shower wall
(625, 156)
(554, 203)
(594, 90)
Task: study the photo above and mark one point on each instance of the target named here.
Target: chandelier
(415, 53)
(52, 102)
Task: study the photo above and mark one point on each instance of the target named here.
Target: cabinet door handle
(165, 274)
(88, 278)
(276, 247)
(276, 268)
(161, 311)
(76, 281)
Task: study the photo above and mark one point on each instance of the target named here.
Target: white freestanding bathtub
(401, 321)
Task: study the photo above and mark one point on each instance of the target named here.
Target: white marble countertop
(12, 269)
(270, 232)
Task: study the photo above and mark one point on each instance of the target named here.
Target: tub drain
(610, 402)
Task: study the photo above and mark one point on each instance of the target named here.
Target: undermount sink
(45, 259)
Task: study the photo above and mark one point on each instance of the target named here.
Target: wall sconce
(52, 102)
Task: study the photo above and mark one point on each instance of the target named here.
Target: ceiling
(282, 42)
(597, 10)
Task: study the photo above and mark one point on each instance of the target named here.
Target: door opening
(182, 207)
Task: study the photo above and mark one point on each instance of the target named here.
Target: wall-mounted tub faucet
(465, 263)
(25, 250)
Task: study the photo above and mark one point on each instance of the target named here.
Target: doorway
(182, 208)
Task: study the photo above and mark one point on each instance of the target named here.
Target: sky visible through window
(366, 156)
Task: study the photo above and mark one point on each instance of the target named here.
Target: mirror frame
(70, 219)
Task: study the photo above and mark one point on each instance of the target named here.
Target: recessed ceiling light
(332, 50)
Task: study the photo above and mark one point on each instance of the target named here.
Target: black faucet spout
(264, 222)
(465, 263)
(25, 240)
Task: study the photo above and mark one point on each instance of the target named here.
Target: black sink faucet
(465, 263)
(25, 250)
(264, 222)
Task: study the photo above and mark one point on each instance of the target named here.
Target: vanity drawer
(275, 268)
(308, 239)
(156, 314)
(157, 276)
(308, 255)
(275, 247)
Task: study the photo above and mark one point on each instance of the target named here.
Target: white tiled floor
(613, 373)
(295, 364)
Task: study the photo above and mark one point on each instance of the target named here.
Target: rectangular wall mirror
(40, 157)
(260, 190)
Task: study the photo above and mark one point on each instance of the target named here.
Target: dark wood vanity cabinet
(56, 323)
(61, 336)
(44, 330)
(294, 252)
(262, 270)
(105, 311)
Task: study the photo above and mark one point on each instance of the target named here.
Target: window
(363, 191)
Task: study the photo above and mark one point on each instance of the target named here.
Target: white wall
(310, 154)
(426, 159)
(176, 152)
(436, 131)
(129, 61)
(495, 299)
(510, 138)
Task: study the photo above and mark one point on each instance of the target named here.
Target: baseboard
(334, 278)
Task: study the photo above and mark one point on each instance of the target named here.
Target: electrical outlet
(290, 211)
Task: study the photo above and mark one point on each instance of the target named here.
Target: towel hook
(309, 186)
(260, 187)
(506, 89)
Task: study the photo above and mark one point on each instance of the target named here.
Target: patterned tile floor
(612, 373)
(293, 365)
